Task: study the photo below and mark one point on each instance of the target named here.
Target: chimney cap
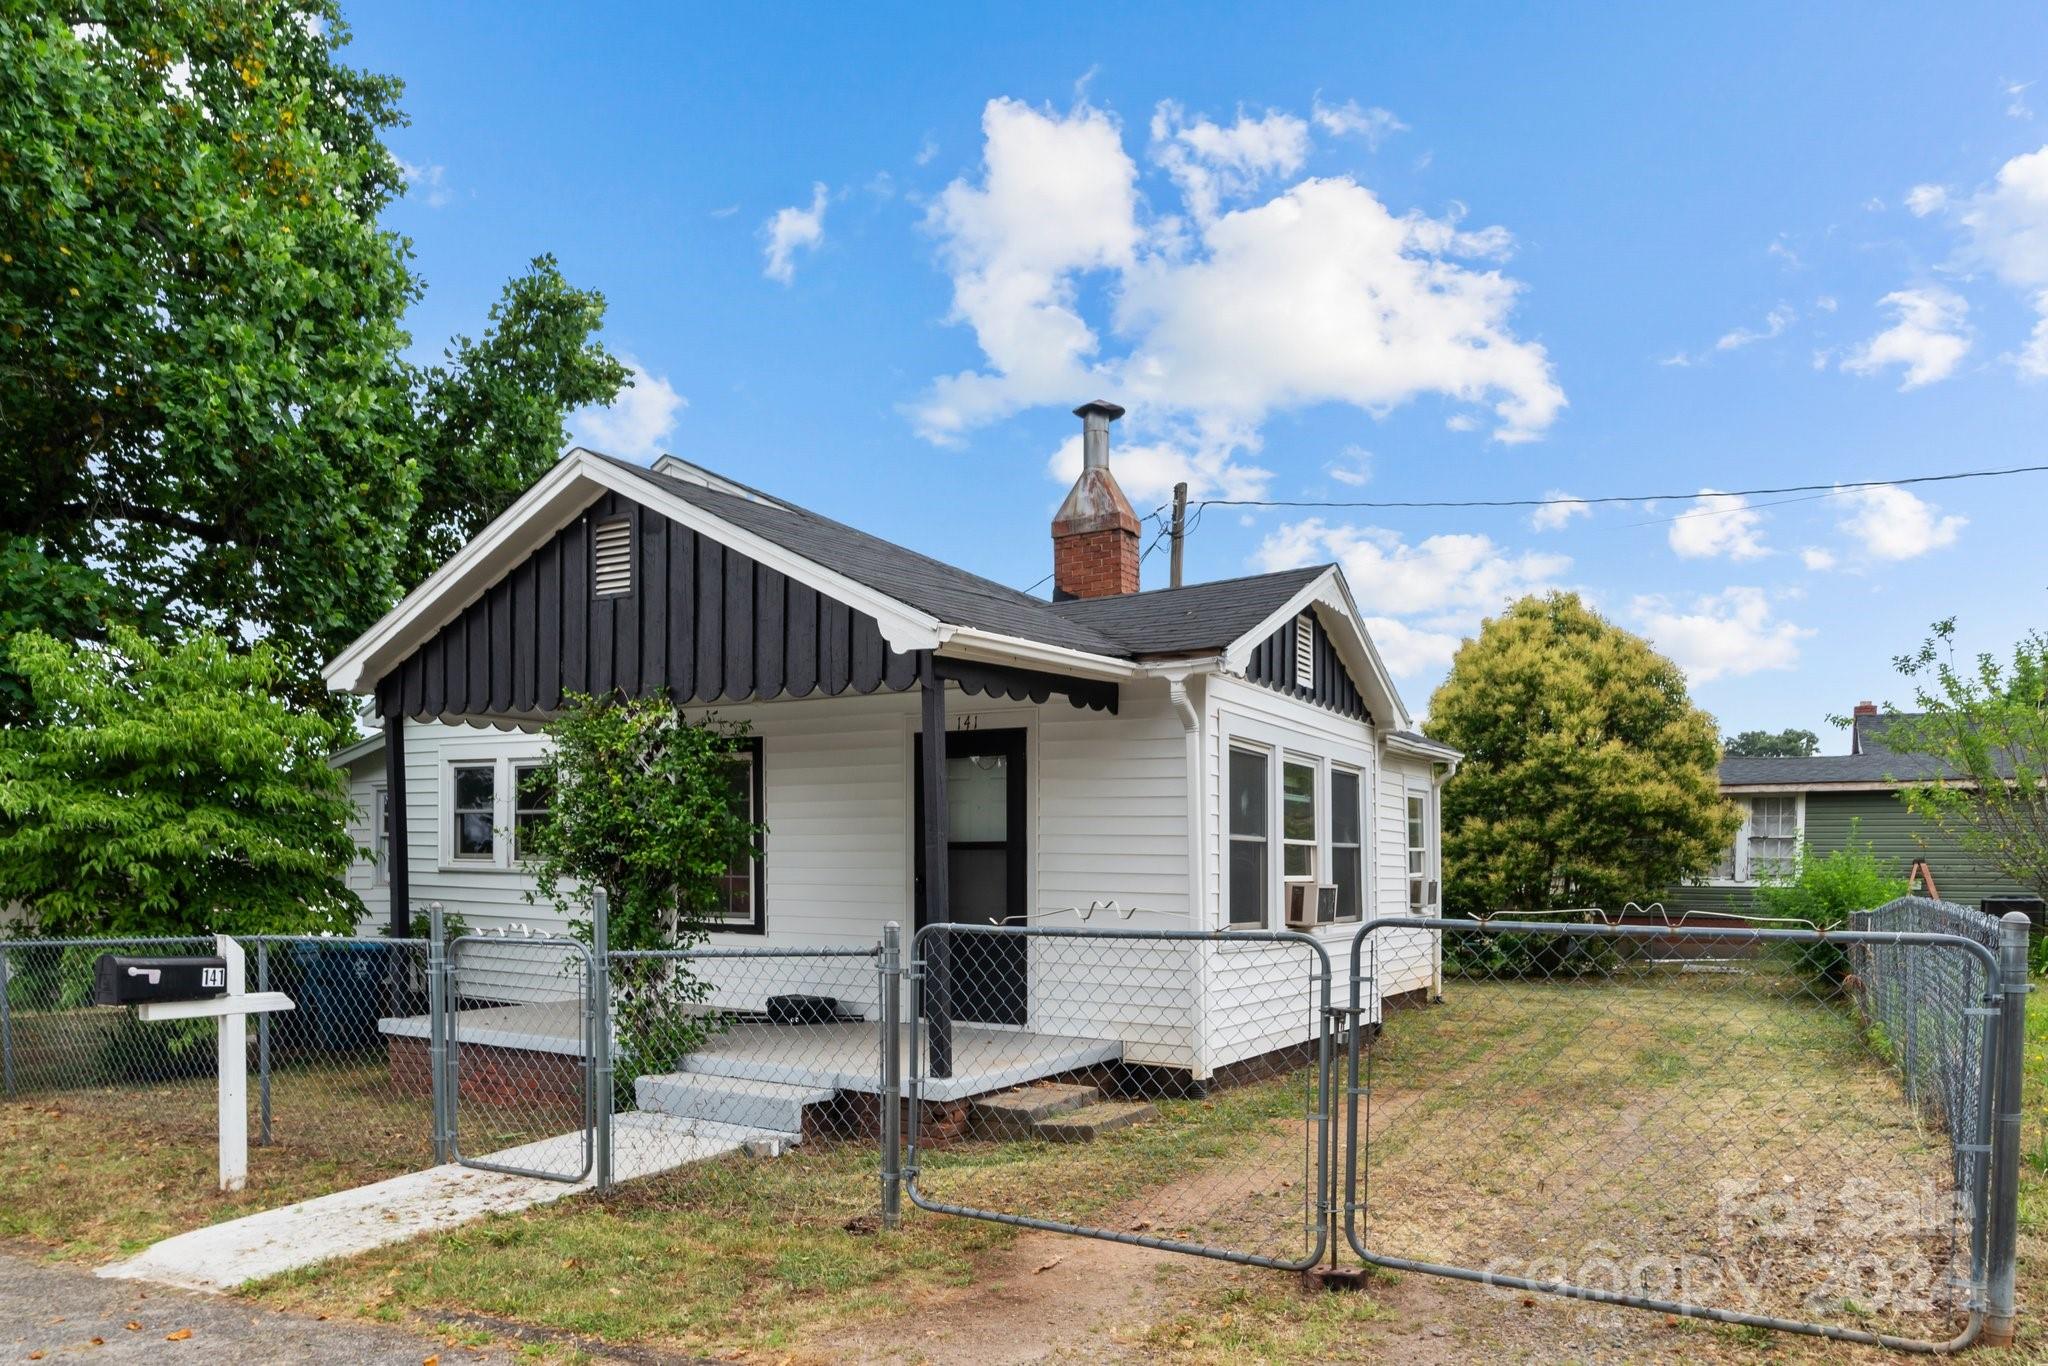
(1866, 708)
(1109, 410)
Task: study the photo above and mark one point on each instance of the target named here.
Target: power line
(1823, 489)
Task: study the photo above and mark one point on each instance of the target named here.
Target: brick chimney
(1095, 533)
(1866, 709)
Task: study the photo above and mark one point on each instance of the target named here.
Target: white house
(1226, 756)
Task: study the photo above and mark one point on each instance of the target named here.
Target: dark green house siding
(1880, 820)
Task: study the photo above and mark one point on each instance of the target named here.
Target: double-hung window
(1418, 854)
(741, 901)
(1347, 841)
(1298, 821)
(1773, 836)
(475, 812)
(1250, 835)
(380, 838)
(1766, 846)
(531, 796)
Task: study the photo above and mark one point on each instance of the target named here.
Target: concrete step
(1090, 1122)
(768, 1106)
(1012, 1114)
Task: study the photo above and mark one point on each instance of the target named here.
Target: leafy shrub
(641, 802)
(1826, 891)
(1539, 956)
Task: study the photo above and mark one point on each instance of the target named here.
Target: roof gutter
(993, 647)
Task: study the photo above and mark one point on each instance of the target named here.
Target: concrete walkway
(223, 1256)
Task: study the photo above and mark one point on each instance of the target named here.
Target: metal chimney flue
(1096, 416)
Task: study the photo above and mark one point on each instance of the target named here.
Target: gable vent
(1305, 652)
(611, 558)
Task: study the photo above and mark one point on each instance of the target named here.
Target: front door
(985, 862)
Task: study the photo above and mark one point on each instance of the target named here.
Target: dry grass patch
(88, 1175)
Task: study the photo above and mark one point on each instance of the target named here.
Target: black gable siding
(1272, 663)
(703, 623)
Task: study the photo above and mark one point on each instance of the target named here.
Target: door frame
(1013, 742)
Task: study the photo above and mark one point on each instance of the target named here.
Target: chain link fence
(1588, 1113)
(323, 1090)
(1770, 1126)
(1158, 1087)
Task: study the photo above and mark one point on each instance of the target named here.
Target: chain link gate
(1582, 1113)
(1199, 1059)
(517, 1034)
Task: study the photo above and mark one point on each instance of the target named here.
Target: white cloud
(789, 231)
(638, 420)
(1354, 470)
(2005, 231)
(429, 184)
(1147, 470)
(1349, 119)
(1211, 163)
(1449, 581)
(1410, 650)
(1718, 524)
(1316, 294)
(1775, 323)
(1555, 516)
(1727, 633)
(1893, 524)
(1922, 200)
(1817, 559)
(926, 150)
(1929, 339)
(2016, 106)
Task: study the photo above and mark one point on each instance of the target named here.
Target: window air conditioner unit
(1310, 904)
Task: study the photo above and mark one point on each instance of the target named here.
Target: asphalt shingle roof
(1165, 621)
(1200, 616)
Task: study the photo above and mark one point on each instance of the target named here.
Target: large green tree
(170, 791)
(206, 415)
(1987, 720)
(1589, 776)
(1767, 744)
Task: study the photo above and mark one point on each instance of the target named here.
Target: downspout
(1190, 714)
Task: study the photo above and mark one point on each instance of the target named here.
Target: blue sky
(869, 258)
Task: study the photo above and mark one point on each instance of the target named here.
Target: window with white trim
(1250, 835)
(1347, 841)
(742, 903)
(1419, 900)
(1766, 845)
(473, 812)
(531, 798)
(1298, 821)
(380, 837)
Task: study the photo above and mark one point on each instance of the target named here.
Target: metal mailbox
(119, 980)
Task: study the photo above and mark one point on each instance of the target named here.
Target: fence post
(2003, 1263)
(263, 1048)
(6, 1025)
(437, 1030)
(601, 1030)
(890, 1111)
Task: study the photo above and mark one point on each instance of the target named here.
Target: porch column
(938, 993)
(398, 876)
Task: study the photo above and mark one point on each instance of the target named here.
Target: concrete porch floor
(843, 1055)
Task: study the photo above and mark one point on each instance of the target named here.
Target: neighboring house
(1223, 756)
(1820, 801)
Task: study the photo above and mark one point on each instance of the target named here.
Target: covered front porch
(824, 1058)
(704, 618)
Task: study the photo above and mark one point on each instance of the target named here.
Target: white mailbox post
(233, 1011)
